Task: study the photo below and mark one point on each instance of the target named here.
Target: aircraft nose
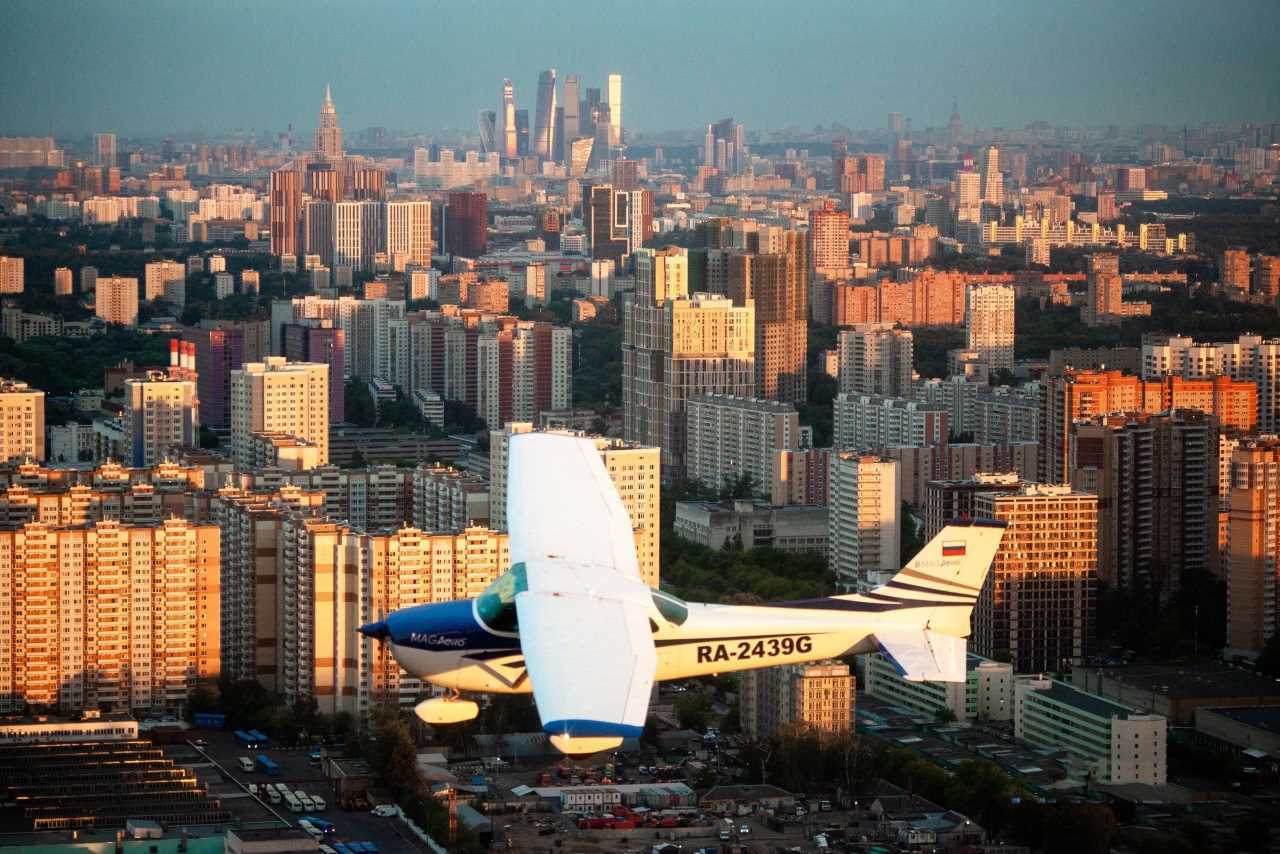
(378, 630)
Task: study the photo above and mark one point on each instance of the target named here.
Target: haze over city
(153, 67)
(662, 428)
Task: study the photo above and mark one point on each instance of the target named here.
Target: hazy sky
(77, 66)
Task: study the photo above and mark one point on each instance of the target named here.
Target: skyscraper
(1038, 604)
(466, 231)
(21, 421)
(671, 351)
(408, 232)
(775, 282)
(507, 121)
(358, 230)
(522, 132)
(1253, 594)
(162, 411)
(876, 359)
(285, 200)
(487, 125)
(282, 397)
(614, 100)
(606, 216)
(992, 178)
(571, 127)
(104, 149)
(544, 136)
(863, 540)
(989, 324)
(116, 300)
(328, 134)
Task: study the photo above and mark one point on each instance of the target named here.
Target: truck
(268, 766)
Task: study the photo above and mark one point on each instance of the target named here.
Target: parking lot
(218, 766)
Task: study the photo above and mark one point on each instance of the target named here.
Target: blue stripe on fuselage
(592, 729)
(444, 627)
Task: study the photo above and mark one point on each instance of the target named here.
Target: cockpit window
(496, 606)
(672, 609)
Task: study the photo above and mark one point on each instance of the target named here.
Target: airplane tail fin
(938, 587)
(935, 594)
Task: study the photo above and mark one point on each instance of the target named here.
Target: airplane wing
(562, 505)
(924, 655)
(591, 661)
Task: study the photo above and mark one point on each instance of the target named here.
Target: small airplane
(573, 623)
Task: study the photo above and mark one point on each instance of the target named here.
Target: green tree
(693, 710)
(360, 407)
(394, 757)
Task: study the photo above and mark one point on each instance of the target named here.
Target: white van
(246, 764)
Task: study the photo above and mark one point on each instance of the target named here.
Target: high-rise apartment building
(634, 470)
(328, 134)
(12, 275)
(829, 241)
(992, 177)
(408, 233)
(863, 541)
(775, 282)
(1233, 268)
(161, 411)
(63, 282)
(1266, 276)
(671, 351)
(285, 200)
(662, 274)
(158, 275)
(358, 231)
(857, 173)
(1085, 394)
(1253, 594)
(280, 397)
(818, 697)
(866, 422)
(1156, 478)
(104, 150)
(108, 616)
(732, 437)
(968, 190)
(21, 422)
(989, 324)
(116, 300)
(322, 342)
(466, 223)
(1037, 607)
(876, 359)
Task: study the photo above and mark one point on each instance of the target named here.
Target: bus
(273, 794)
(293, 803)
(246, 764)
(259, 737)
(246, 739)
(325, 827)
(270, 768)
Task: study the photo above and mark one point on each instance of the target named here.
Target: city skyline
(1157, 67)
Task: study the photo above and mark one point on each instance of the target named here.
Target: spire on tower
(328, 98)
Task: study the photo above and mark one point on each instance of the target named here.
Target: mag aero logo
(953, 551)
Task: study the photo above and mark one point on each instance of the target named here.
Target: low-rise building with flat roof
(1177, 690)
(1107, 742)
(792, 528)
(1250, 730)
(986, 694)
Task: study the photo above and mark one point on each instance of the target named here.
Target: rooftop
(1206, 679)
(1259, 717)
(1089, 703)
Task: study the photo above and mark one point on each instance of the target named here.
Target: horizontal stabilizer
(924, 655)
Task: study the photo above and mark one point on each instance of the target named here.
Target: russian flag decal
(954, 548)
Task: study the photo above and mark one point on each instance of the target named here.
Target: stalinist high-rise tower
(328, 134)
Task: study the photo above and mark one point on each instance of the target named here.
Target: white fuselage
(712, 639)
